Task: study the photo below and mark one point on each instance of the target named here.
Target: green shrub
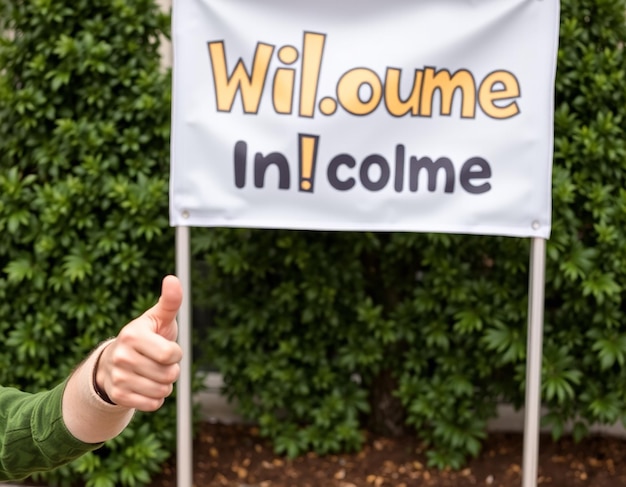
(84, 149)
(319, 333)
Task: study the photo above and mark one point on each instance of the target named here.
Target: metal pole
(534, 355)
(184, 451)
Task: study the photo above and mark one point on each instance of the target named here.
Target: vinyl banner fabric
(403, 115)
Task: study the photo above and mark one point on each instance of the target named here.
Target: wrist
(86, 415)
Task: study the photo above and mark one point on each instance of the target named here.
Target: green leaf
(76, 267)
(20, 270)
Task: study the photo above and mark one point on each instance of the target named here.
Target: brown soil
(235, 456)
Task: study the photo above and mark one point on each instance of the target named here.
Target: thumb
(163, 314)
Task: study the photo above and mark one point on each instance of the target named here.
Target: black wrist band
(101, 393)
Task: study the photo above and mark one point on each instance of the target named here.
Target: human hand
(139, 367)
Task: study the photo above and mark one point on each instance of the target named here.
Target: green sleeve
(33, 436)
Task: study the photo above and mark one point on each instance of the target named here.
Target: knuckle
(117, 377)
(172, 373)
(118, 395)
(165, 391)
(150, 405)
(169, 354)
(120, 357)
(128, 335)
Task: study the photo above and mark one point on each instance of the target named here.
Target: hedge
(84, 150)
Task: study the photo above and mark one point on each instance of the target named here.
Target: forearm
(86, 415)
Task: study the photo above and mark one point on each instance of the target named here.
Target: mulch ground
(234, 456)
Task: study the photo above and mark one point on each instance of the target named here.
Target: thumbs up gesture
(139, 367)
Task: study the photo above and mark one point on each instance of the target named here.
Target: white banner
(403, 115)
